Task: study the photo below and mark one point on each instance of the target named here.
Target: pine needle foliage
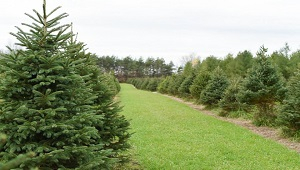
(184, 89)
(16, 161)
(199, 84)
(175, 83)
(289, 117)
(214, 90)
(230, 102)
(262, 87)
(56, 103)
(114, 130)
(163, 86)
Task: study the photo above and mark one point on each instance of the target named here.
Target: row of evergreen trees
(57, 103)
(149, 84)
(266, 86)
(131, 68)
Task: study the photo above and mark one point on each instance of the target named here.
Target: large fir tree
(262, 87)
(114, 130)
(56, 102)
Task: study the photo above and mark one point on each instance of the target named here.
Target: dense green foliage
(213, 92)
(57, 103)
(229, 101)
(149, 84)
(131, 68)
(262, 87)
(290, 111)
(16, 161)
(199, 84)
(171, 135)
(242, 63)
(163, 86)
(184, 89)
(249, 86)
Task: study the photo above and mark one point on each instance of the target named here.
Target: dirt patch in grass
(131, 165)
(267, 132)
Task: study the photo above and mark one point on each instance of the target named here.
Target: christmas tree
(56, 103)
(114, 130)
(199, 84)
(262, 88)
(229, 101)
(214, 90)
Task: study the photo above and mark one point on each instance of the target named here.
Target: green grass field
(171, 135)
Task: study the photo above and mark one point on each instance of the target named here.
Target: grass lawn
(171, 135)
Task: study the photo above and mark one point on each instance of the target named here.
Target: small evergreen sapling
(175, 84)
(184, 89)
(153, 83)
(229, 101)
(215, 88)
(163, 85)
(199, 84)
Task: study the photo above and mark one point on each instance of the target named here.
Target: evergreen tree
(215, 88)
(184, 89)
(163, 86)
(199, 84)
(188, 77)
(145, 83)
(168, 69)
(289, 117)
(188, 69)
(107, 63)
(52, 107)
(230, 102)
(209, 64)
(114, 130)
(175, 84)
(228, 65)
(140, 67)
(243, 62)
(281, 63)
(294, 62)
(149, 67)
(262, 87)
(153, 83)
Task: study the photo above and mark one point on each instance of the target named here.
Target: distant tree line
(132, 68)
(264, 87)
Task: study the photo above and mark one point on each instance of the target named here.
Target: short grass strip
(171, 135)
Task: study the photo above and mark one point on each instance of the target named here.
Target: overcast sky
(168, 29)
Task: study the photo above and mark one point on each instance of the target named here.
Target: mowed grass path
(171, 135)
